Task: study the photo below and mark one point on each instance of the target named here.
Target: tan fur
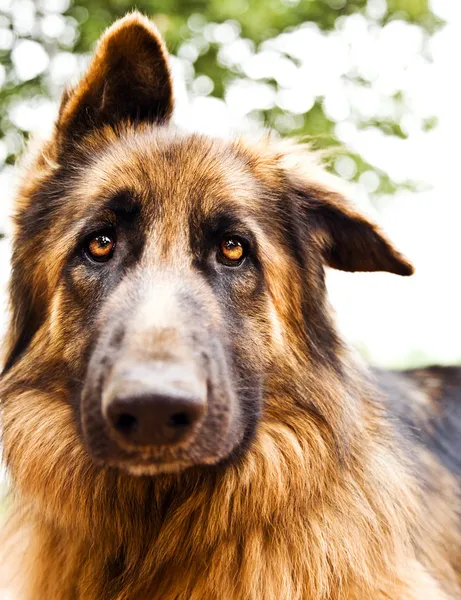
(324, 505)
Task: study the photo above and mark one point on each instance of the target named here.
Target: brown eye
(231, 251)
(101, 246)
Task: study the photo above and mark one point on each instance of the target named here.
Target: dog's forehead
(178, 172)
(180, 181)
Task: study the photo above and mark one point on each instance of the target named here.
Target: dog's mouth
(148, 415)
(140, 466)
(200, 452)
(147, 434)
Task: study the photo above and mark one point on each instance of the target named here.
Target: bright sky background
(395, 321)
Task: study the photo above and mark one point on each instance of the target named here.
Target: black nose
(158, 419)
(155, 411)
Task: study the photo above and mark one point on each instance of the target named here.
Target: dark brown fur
(310, 478)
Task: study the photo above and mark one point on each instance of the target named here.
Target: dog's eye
(231, 251)
(100, 246)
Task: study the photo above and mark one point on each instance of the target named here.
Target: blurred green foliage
(186, 22)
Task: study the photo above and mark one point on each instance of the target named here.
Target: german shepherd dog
(181, 420)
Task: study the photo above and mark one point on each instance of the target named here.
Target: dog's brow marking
(124, 201)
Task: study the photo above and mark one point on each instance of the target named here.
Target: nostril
(179, 419)
(163, 415)
(126, 423)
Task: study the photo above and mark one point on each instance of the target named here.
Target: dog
(181, 419)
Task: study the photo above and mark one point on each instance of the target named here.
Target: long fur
(332, 500)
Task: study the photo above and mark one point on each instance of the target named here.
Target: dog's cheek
(78, 332)
(74, 317)
(259, 328)
(249, 337)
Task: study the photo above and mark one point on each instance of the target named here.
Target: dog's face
(165, 262)
(161, 279)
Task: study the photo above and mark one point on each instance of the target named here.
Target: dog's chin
(146, 468)
(153, 469)
(144, 464)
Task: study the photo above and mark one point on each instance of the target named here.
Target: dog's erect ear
(128, 79)
(347, 240)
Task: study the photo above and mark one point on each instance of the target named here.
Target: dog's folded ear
(347, 240)
(128, 79)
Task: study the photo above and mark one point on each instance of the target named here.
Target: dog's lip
(143, 463)
(152, 468)
(148, 466)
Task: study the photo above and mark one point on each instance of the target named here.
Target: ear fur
(128, 79)
(349, 241)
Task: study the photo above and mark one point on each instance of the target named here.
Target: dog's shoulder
(426, 404)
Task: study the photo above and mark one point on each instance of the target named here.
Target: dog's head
(164, 280)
